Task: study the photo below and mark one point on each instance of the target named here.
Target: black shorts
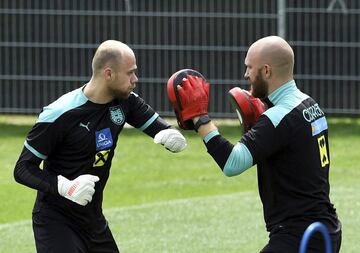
(286, 239)
(56, 236)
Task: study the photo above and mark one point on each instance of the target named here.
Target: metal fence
(46, 47)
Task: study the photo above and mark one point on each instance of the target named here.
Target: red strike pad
(172, 90)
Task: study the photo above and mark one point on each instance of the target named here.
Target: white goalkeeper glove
(172, 140)
(80, 190)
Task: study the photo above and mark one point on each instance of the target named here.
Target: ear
(108, 74)
(267, 70)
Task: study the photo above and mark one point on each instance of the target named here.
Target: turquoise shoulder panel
(285, 100)
(63, 104)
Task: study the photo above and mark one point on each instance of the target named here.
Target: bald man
(289, 145)
(75, 138)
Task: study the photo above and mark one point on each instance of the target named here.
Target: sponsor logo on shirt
(312, 113)
(324, 159)
(318, 126)
(86, 126)
(103, 139)
(117, 115)
(101, 158)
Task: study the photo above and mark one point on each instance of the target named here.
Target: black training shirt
(73, 136)
(289, 144)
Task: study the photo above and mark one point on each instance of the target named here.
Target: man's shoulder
(286, 105)
(63, 104)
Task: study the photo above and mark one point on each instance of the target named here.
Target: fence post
(281, 21)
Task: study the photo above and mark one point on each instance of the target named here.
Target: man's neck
(95, 92)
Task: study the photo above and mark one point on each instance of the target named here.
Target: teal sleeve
(240, 159)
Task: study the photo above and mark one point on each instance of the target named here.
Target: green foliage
(157, 201)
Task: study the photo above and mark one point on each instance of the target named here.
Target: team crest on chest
(117, 115)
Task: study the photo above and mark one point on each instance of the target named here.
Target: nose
(135, 79)
(246, 75)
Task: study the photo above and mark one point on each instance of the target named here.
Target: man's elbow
(18, 173)
(230, 172)
(233, 171)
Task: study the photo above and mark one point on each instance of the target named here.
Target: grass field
(157, 201)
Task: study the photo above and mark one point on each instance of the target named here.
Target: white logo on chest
(85, 126)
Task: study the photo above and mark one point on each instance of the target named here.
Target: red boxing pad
(248, 108)
(172, 90)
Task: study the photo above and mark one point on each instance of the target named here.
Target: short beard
(122, 95)
(119, 94)
(260, 88)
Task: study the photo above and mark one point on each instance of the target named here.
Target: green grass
(157, 201)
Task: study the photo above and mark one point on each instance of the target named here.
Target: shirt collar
(285, 89)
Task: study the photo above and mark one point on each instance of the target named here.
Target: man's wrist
(202, 120)
(195, 119)
(206, 129)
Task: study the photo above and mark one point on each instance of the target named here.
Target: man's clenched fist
(172, 140)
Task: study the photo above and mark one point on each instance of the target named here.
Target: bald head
(110, 54)
(275, 52)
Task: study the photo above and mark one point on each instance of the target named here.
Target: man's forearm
(217, 146)
(27, 172)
